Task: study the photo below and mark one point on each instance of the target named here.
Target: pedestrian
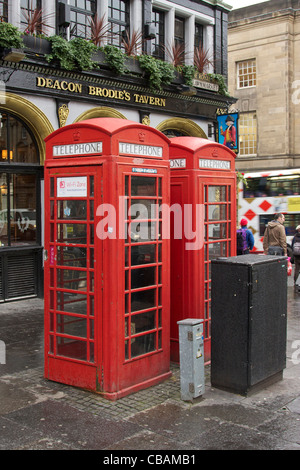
(296, 253)
(275, 238)
(244, 239)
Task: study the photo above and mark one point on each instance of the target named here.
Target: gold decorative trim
(180, 124)
(146, 120)
(100, 111)
(63, 113)
(33, 117)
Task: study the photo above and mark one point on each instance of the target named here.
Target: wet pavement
(37, 414)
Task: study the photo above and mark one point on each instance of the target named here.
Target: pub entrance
(20, 211)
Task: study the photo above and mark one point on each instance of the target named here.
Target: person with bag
(244, 239)
(296, 253)
(275, 238)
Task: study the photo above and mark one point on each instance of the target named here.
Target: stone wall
(272, 37)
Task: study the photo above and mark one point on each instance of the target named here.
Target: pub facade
(144, 66)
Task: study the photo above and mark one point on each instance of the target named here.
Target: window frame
(88, 14)
(4, 10)
(241, 134)
(11, 169)
(31, 6)
(159, 22)
(251, 73)
(199, 35)
(121, 25)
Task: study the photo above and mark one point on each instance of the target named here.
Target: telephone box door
(218, 198)
(73, 301)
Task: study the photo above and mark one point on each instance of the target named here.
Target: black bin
(248, 322)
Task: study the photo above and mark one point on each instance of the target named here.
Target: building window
(3, 10)
(27, 10)
(157, 45)
(248, 134)
(16, 143)
(179, 32)
(118, 18)
(18, 183)
(246, 73)
(198, 35)
(81, 13)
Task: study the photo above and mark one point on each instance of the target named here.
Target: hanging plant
(157, 71)
(62, 52)
(115, 59)
(10, 36)
(221, 82)
(188, 73)
(82, 52)
(74, 54)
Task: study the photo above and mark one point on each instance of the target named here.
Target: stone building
(38, 95)
(264, 75)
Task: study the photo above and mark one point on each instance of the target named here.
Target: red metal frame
(126, 348)
(215, 191)
(70, 278)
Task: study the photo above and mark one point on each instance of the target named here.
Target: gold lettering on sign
(154, 101)
(122, 95)
(106, 93)
(59, 85)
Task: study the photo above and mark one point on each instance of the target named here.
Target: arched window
(19, 183)
(177, 127)
(17, 145)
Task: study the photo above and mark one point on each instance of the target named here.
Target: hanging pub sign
(227, 133)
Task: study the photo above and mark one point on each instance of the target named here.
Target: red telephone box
(203, 197)
(106, 264)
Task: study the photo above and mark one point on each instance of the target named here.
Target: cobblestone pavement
(83, 400)
(38, 414)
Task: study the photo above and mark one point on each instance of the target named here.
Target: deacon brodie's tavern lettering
(115, 94)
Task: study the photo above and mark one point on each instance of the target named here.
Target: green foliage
(188, 73)
(72, 54)
(10, 36)
(157, 71)
(221, 82)
(115, 59)
(167, 72)
(77, 54)
(83, 50)
(240, 177)
(61, 51)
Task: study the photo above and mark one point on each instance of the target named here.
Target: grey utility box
(191, 353)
